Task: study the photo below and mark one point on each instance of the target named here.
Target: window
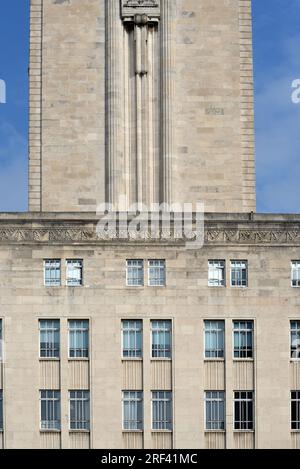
(296, 274)
(216, 273)
(162, 410)
(49, 338)
(74, 276)
(132, 339)
(214, 339)
(1, 410)
(50, 410)
(52, 273)
(132, 410)
(295, 339)
(215, 410)
(79, 410)
(161, 339)
(157, 273)
(243, 410)
(135, 273)
(295, 410)
(243, 339)
(78, 339)
(1, 341)
(239, 273)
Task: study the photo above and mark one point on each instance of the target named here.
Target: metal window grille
(135, 273)
(161, 339)
(295, 410)
(243, 339)
(78, 339)
(50, 410)
(162, 410)
(80, 410)
(239, 273)
(296, 274)
(157, 273)
(215, 410)
(243, 410)
(49, 338)
(214, 339)
(1, 410)
(132, 339)
(74, 273)
(295, 339)
(216, 273)
(132, 410)
(52, 272)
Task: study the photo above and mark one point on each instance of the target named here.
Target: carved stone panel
(131, 8)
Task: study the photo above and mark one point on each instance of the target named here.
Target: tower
(145, 101)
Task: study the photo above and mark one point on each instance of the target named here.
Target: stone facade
(96, 133)
(152, 101)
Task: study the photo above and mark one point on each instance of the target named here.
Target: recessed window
(243, 410)
(157, 273)
(161, 332)
(132, 410)
(295, 410)
(132, 339)
(1, 410)
(215, 410)
(52, 272)
(135, 273)
(295, 273)
(162, 410)
(74, 273)
(50, 410)
(243, 339)
(295, 339)
(49, 338)
(216, 273)
(80, 410)
(214, 339)
(239, 273)
(78, 339)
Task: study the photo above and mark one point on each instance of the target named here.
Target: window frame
(214, 262)
(240, 400)
(216, 358)
(79, 358)
(161, 268)
(82, 400)
(296, 401)
(167, 400)
(142, 269)
(53, 400)
(138, 401)
(242, 261)
(297, 329)
(60, 272)
(218, 399)
(234, 321)
(53, 330)
(122, 339)
(80, 268)
(1, 411)
(297, 262)
(170, 331)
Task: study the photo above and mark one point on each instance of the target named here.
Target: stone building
(129, 339)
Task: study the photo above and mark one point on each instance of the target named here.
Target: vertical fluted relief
(167, 69)
(114, 110)
(139, 102)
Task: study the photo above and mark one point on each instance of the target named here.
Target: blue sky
(276, 29)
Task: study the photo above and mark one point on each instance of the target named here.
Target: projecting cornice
(219, 230)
